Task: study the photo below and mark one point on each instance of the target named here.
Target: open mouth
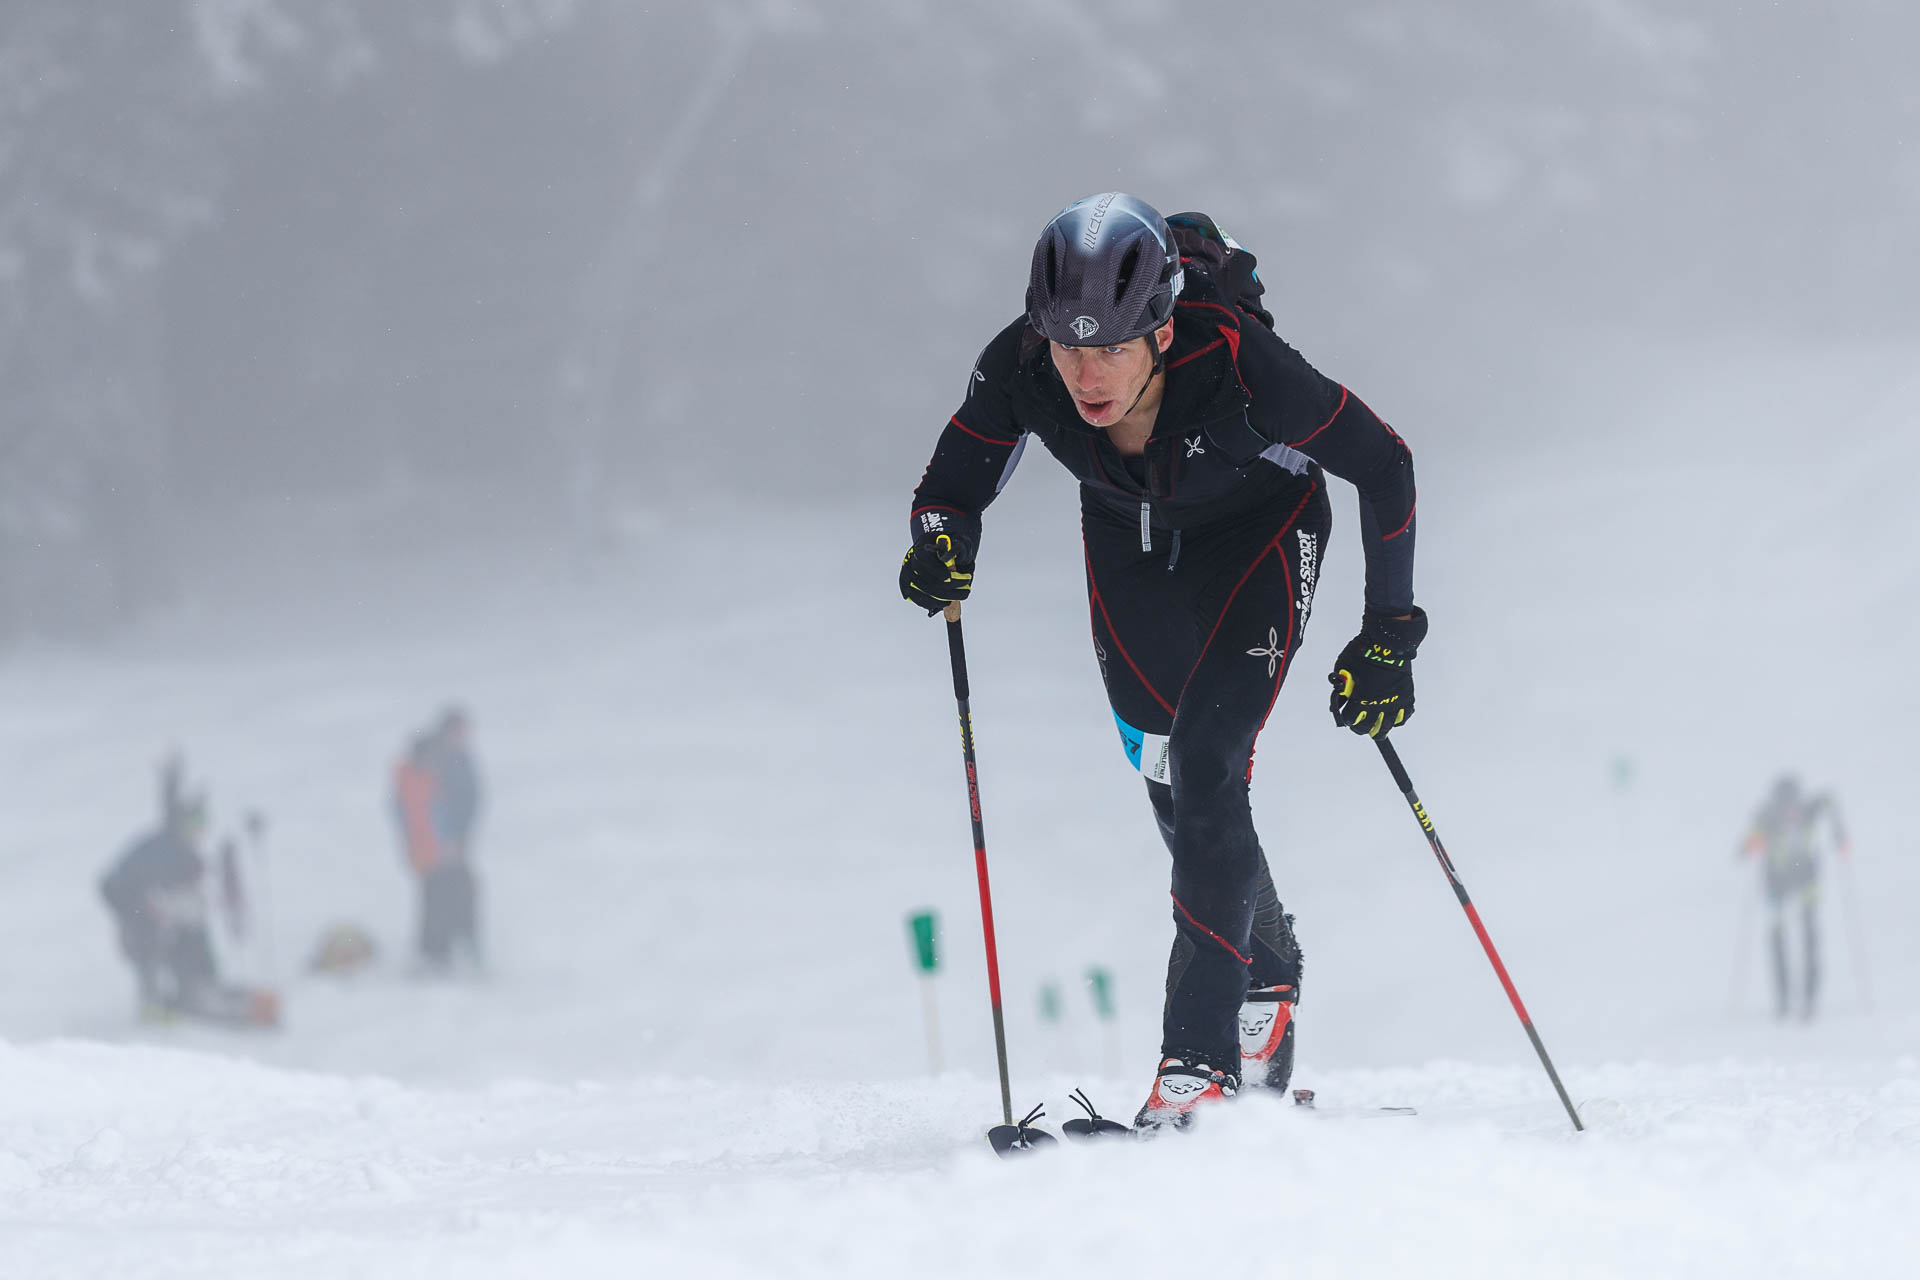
(1095, 408)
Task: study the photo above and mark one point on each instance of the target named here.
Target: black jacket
(160, 862)
(1245, 423)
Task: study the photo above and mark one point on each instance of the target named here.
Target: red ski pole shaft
(1399, 771)
(957, 650)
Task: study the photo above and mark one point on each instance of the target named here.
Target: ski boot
(1183, 1084)
(1266, 1037)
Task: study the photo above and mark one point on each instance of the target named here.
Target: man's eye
(1113, 351)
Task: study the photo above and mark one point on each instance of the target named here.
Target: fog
(524, 265)
(573, 362)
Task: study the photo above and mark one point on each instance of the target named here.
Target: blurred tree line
(494, 268)
(125, 126)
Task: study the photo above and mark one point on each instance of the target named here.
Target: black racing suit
(1201, 561)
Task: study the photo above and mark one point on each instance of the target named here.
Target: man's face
(1105, 381)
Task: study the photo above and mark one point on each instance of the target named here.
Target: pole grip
(957, 651)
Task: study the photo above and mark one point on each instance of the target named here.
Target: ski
(1095, 1126)
(1306, 1100)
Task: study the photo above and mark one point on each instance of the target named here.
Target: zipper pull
(1146, 526)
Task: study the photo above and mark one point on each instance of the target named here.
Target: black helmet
(1106, 270)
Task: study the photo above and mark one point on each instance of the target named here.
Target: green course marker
(923, 927)
(1049, 1002)
(1100, 987)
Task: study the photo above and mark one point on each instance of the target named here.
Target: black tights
(1194, 637)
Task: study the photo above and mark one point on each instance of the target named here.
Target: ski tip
(1018, 1139)
(1085, 1130)
(1305, 1098)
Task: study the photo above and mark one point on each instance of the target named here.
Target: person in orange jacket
(436, 794)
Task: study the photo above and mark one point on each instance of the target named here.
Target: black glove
(1373, 677)
(938, 568)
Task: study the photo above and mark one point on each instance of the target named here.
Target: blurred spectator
(1786, 837)
(437, 805)
(156, 891)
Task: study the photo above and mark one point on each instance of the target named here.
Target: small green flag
(924, 926)
(1049, 1002)
(1100, 984)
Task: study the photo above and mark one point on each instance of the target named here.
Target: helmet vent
(1129, 263)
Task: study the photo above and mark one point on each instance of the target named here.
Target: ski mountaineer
(1201, 442)
(156, 891)
(1786, 839)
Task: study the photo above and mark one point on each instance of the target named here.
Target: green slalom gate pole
(957, 651)
(1100, 988)
(1399, 771)
(1053, 1026)
(924, 928)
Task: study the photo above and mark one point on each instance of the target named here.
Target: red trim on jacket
(1295, 444)
(1229, 333)
(1195, 355)
(977, 436)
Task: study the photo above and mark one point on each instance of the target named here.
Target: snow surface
(717, 791)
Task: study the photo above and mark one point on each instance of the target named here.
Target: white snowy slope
(148, 1162)
(711, 809)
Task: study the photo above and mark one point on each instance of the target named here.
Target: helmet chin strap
(1159, 364)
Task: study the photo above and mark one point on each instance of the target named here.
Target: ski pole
(1405, 784)
(957, 650)
(256, 824)
(1856, 940)
(1742, 952)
